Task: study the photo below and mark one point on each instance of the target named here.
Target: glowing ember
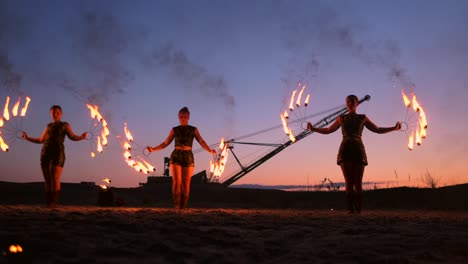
(15, 249)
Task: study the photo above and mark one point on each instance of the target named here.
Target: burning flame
(25, 107)
(1, 122)
(419, 133)
(6, 114)
(306, 102)
(217, 166)
(102, 138)
(103, 186)
(14, 111)
(291, 104)
(298, 101)
(127, 133)
(141, 166)
(3, 145)
(285, 125)
(285, 115)
(127, 145)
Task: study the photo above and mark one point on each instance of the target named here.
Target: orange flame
(130, 162)
(104, 138)
(25, 107)
(221, 144)
(1, 122)
(285, 125)
(285, 114)
(6, 114)
(107, 180)
(298, 101)
(127, 133)
(14, 110)
(306, 102)
(291, 103)
(99, 146)
(418, 136)
(93, 154)
(411, 141)
(149, 166)
(406, 101)
(291, 136)
(127, 145)
(127, 155)
(92, 111)
(415, 103)
(15, 249)
(3, 145)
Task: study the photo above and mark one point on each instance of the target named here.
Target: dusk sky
(234, 64)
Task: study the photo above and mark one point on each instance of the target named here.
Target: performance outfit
(53, 150)
(183, 136)
(351, 148)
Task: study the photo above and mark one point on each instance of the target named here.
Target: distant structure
(199, 178)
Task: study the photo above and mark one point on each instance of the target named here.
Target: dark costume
(351, 148)
(53, 150)
(183, 137)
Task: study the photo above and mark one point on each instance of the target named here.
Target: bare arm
(325, 130)
(380, 130)
(164, 144)
(71, 135)
(35, 140)
(202, 142)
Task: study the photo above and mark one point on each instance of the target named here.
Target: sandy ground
(92, 234)
(231, 225)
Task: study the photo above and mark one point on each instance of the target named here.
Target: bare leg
(186, 178)
(176, 171)
(358, 172)
(55, 173)
(347, 169)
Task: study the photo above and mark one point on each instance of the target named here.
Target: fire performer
(181, 161)
(352, 156)
(53, 153)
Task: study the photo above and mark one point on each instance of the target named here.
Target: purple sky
(234, 64)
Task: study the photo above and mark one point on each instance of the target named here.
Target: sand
(234, 231)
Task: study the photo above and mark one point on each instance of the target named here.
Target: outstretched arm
(380, 130)
(71, 135)
(325, 130)
(164, 144)
(202, 142)
(35, 140)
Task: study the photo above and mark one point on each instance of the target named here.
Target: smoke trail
(9, 79)
(324, 29)
(101, 41)
(11, 30)
(191, 74)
